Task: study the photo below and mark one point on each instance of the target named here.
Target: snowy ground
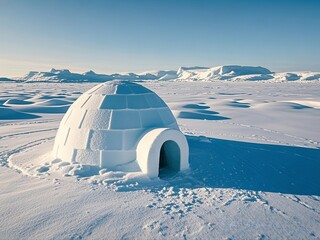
(254, 156)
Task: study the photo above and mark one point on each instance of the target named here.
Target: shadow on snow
(217, 163)
(260, 167)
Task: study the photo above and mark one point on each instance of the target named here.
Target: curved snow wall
(103, 126)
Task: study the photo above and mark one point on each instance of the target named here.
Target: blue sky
(121, 36)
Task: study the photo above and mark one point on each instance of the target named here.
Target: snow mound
(220, 72)
(13, 101)
(104, 125)
(255, 176)
(10, 114)
(288, 76)
(35, 108)
(54, 102)
(234, 70)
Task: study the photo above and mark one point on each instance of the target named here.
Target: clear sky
(122, 36)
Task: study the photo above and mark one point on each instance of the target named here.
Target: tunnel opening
(169, 159)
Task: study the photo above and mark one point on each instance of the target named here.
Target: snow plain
(254, 167)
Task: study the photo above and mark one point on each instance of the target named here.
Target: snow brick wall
(104, 126)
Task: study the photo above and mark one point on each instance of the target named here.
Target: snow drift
(254, 168)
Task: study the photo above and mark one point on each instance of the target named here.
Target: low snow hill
(242, 73)
(226, 73)
(65, 75)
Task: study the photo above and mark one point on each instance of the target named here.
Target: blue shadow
(221, 163)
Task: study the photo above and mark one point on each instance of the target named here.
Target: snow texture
(104, 125)
(226, 73)
(172, 144)
(64, 75)
(253, 173)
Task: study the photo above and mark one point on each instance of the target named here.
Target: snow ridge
(197, 73)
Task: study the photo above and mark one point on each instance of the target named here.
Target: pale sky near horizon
(136, 36)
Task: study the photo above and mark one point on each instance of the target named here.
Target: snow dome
(118, 125)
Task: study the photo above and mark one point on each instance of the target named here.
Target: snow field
(254, 167)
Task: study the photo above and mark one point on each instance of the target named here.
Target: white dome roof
(103, 126)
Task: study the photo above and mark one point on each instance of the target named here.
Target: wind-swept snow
(10, 114)
(254, 168)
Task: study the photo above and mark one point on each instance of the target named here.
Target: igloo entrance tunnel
(120, 125)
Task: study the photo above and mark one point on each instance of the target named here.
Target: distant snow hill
(227, 73)
(242, 73)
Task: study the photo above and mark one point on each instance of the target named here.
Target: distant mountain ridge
(64, 75)
(197, 73)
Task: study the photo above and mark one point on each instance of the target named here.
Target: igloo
(121, 125)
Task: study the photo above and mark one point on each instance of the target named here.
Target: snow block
(151, 119)
(105, 140)
(97, 119)
(125, 120)
(148, 151)
(114, 102)
(112, 122)
(137, 102)
(154, 101)
(111, 159)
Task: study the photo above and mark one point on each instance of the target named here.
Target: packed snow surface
(254, 167)
(226, 73)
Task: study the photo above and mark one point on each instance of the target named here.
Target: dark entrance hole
(169, 159)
